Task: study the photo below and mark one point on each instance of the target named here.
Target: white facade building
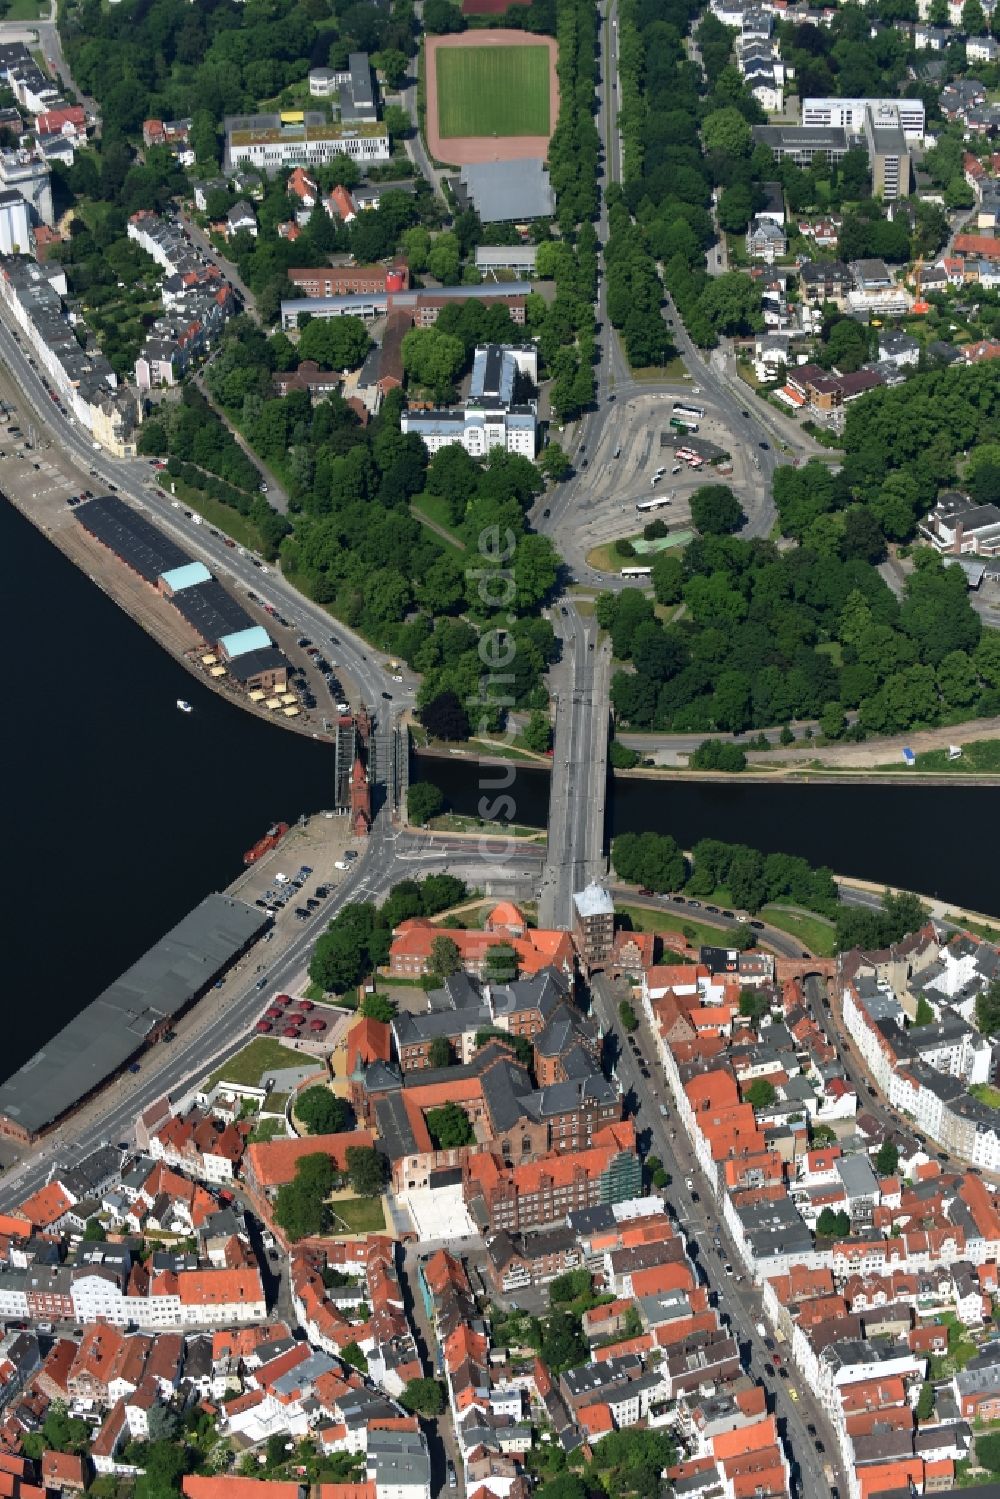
(849, 114)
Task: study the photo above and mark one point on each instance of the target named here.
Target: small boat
(184, 705)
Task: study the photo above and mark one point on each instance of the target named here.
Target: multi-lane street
(135, 478)
(387, 856)
(579, 766)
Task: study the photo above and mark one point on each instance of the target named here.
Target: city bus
(637, 572)
(655, 503)
(684, 423)
(681, 408)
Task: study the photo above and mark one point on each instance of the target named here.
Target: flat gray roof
(505, 191)
(100, 1040)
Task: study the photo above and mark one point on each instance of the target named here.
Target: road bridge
(582, 683)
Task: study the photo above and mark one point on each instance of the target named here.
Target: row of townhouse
(197, 300)
(926, 1071)
(490, 1399)
(81, 376)
(330, 1318)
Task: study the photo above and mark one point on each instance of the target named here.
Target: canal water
(919, 837)
(120, 811)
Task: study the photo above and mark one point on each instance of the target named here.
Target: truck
(761, 1330)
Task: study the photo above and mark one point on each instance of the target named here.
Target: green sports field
(493, 91)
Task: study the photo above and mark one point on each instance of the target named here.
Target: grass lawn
(248, 1066)
(223, 517)
(451, 822)
(431, 507)
(493, 90)
(673, 370)
(269, 1129)
(697, 932)
(607, 559)
(981, 754)
(359, 1215)
(987, 1095)
(991, 933)
(814, 932)
(27, 10)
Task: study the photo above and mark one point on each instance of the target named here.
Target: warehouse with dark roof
(134, 1011)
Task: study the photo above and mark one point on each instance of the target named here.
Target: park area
(491, 96)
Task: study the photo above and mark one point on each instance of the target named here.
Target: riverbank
(37, 482)
(754, 775)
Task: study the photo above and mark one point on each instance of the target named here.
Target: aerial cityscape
(507, 498)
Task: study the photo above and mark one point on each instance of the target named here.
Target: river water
(121, 812)
(919, 837)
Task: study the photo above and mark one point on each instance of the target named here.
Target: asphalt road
(135, 479)
(579, 779)
(171, 1068)
(739, 1301)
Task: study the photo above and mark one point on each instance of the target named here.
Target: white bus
(682, 409)
(637, 572)
(655, 503)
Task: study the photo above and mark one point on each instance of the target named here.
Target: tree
(445, 958)
(378, 1007)
(300, 1207)
(988, 1009)
(441, 17)
(553, 462)
(423, 1397)
(831, 1225)
(500, 966)
(925, 1014)
(95, 1231)
(925, 1407)
(397, 121)
(449, 1127)
(716, 754)
(570, 1286)
(887, 1158)
(563, 1344)
(367, 1170)
(392, 64)
(726, 131)
(336, 343)
(322, 1112)
(432, 358)
(650, 859)
(628, 1017)
(760, 1093)
(716, 511)
(444, 717)
(424, 800)
(538, 732)
(439, 1053)
(353, 1355)
(973, 19)
(753, 1004)
(988, 1450)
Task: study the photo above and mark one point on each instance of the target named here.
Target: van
(618, 452)
(340, 864)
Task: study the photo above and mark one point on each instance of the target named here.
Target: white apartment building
(271, 143)
(15, 223)
(490, 417)
(908, 115)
